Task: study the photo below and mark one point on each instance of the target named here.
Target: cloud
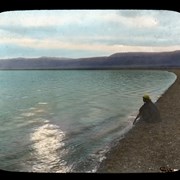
(96, 48)
(50, 18)
(75, 17)
(98, 31)
(33, 18)
(144, 21)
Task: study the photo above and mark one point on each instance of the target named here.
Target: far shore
(150, 147)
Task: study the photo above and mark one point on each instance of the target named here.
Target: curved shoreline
(149, 146)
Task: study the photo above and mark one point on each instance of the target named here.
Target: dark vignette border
(14, 5)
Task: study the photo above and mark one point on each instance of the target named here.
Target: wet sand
(149, 147)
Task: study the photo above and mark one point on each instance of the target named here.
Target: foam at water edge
(127, 128)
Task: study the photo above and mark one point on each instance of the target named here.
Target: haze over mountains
(114, 61)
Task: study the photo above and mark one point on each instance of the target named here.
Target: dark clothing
(149, 112)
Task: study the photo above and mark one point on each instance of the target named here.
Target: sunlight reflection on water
(48, 139)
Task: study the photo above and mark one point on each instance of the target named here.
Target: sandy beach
(150, 147)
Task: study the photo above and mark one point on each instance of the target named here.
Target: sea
(60, 121)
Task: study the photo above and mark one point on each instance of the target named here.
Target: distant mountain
(114, 61)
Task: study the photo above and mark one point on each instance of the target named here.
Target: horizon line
(125, 52)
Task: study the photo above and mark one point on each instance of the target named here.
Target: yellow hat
(146, 97)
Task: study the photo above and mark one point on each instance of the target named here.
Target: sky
(87, 33)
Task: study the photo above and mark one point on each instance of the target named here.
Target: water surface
(65, 121)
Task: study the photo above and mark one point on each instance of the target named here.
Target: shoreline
(149, 147)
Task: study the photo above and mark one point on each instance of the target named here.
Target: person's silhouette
(148, 111)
